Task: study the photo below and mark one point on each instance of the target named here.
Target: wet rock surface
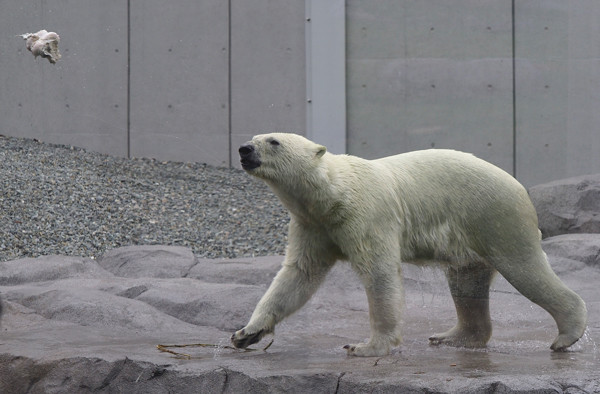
(74, 324)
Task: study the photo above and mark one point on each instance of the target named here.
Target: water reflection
(475, 363)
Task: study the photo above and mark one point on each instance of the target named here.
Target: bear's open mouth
(248, 164)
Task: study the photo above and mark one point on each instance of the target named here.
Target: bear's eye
(274, 143)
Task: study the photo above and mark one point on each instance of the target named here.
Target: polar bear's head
(279, 156)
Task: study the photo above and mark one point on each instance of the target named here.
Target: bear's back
(438, 185)
(449, 168)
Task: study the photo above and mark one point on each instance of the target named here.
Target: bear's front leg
(384, 293)
(291, 288)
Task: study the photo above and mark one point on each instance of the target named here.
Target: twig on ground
(166, 348)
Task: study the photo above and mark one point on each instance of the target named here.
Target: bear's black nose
(246, 150)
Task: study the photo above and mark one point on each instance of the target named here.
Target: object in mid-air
(44, 44)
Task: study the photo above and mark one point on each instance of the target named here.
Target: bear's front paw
(367, 350)
(243, 338)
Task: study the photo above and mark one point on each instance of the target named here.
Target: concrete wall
(267, 69)
(326, 73)
(424, 74)
(557, 96)
(513, 82)
(179, 80)
(440, 73)
(198, 78)
(82, 100)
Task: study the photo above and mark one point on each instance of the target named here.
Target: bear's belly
(440, 258)
(439, 244)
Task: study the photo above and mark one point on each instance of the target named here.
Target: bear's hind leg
(533, 277)
(469, 286)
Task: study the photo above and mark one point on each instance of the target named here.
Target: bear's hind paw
(460, 338)
(562, 342)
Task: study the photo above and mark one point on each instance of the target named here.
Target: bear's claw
(366, 350)
(241, 340)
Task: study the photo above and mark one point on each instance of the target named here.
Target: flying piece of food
(44, 44)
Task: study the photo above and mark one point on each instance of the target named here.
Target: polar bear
(435, 205)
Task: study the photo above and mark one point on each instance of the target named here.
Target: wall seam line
(514, 93)
(128, 79)
(229, 100)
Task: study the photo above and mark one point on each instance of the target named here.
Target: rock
(568, 206)
(579, 247)
(154, 261)
(248, 271)
(224, 306)
(48, 268)
(81, 325)
(81, 304)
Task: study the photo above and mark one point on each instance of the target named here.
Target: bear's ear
(320, 149)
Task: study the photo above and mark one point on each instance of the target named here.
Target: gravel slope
(58, 199)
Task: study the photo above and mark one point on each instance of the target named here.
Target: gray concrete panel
(430, 74)
(179, 80)
(557, 72)
(541, 71)
(326, 73)
(82, 99)
(583, 147)
(268, 85)
(450, 29)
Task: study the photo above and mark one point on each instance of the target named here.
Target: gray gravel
(57, 199)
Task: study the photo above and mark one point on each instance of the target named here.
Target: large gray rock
(247, 271)
(129, 261)
(80, 325)
(579, 247)
(568, 206)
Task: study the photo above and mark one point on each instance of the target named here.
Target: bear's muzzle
(248, 157)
